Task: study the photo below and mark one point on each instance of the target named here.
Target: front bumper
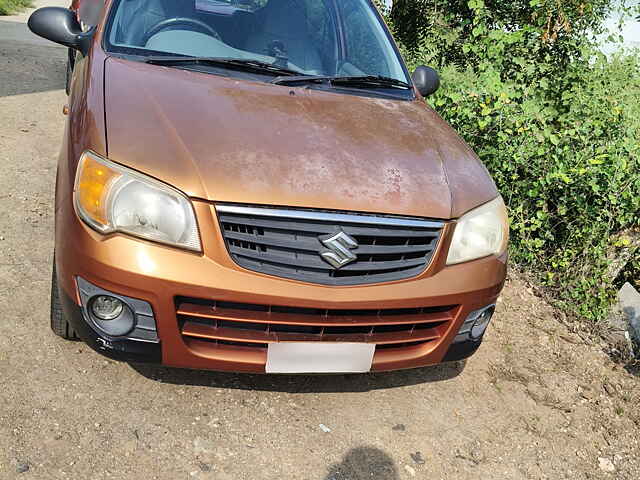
(123, 349)
(159, 275)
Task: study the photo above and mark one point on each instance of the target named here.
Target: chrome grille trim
(330, 217)
(287, 243)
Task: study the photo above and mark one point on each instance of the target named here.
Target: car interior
(281, 28)
(303, 35)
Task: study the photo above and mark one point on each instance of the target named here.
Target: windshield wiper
(365, 81)
(285, 76)
(370, 81)
(234, 63)
(293, 79)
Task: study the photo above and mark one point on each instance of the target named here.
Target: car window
(320, 37)
(365, 40)
(323, 33)
(89, 13)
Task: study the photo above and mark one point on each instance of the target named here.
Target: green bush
(568, 169)
(7, 7)
(556, 122)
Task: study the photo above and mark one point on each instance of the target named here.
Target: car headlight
(479, 233)
(112, 198)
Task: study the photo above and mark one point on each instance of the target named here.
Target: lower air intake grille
(328, 248)
(249, 325)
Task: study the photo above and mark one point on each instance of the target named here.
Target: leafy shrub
(7, 7)
(568, 169)
(556, 122)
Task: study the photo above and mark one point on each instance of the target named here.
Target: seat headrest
(287, 18)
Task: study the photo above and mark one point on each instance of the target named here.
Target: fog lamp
(475, 324)
(481, 323)
(111, 315)
(106, 308)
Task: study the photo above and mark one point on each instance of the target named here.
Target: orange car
(259, 186)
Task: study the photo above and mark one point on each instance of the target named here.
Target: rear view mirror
(426, 80)
(60, 25)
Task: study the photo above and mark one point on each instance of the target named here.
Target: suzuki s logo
(339, 245)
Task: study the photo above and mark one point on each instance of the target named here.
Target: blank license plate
(319, 357)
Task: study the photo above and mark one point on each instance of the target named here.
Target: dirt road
(536, 402)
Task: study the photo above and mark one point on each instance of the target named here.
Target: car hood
(228, 140)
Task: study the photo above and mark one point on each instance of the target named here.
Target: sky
(630, 30)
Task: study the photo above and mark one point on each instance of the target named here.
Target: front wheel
(59, 323)
(71, 57)
(67, 85)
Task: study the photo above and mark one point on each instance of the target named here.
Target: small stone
(417, 457)
(609, 388)
(629, 301)
(587, 392)
(410, 470)
(22, 467)
(204, 467)
(400, 427)
(606, 465)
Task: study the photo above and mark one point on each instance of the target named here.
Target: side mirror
(60, 25)
(426, 80)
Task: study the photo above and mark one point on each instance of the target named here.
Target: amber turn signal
(92, 188)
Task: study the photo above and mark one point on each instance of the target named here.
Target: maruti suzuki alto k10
(259, 186)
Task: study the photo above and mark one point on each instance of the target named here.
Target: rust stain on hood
(229, 140)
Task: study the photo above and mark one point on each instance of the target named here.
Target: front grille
(255, 326)
(287, 243)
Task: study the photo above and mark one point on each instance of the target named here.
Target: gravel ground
(537, 401)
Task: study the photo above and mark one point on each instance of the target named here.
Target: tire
(67, 85)
(70, 64)
(59, 323)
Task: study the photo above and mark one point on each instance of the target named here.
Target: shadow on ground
(301, 383)
(633, 368)
(364, 463)
(28, 66)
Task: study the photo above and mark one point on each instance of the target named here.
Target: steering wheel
(170, 22)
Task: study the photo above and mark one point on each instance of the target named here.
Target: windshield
(334, 38)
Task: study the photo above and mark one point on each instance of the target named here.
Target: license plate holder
(319, 357)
